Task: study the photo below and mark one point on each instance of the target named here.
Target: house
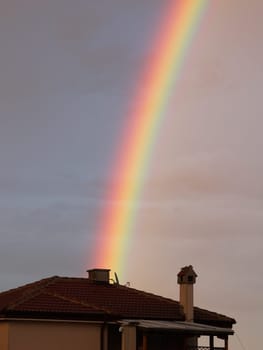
(62, 313)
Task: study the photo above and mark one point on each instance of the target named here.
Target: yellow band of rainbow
(157, 82)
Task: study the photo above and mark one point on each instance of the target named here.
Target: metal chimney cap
(187, 275)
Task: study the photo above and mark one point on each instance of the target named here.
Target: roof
(178, 327)
(80, 298)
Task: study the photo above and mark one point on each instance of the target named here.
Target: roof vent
(100, 276)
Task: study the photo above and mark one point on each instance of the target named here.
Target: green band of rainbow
(156, 84)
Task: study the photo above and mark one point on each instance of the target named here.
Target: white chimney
(186, 280)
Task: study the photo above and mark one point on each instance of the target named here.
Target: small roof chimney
(99, 276)
(186, 279)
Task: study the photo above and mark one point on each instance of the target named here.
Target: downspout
(102, 331)
(144, 342)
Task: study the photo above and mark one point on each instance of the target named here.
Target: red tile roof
(80, 298)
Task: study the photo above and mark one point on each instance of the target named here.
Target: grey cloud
(68, 71)
(227, 176)
(56, 235)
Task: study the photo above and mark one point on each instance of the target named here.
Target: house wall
(28, 335)
(3, 336)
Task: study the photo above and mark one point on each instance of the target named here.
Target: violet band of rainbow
(156, 83)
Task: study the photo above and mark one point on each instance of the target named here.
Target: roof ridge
(28, 294)
(75, 301)
(26, 285)
(213, 312)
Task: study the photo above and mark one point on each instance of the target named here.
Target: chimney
(99, 276)
(186, 280)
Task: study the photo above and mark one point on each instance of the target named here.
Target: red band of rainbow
(156, 84)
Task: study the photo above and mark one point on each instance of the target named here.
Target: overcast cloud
(68, 71)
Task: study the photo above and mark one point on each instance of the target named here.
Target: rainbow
(156, 84)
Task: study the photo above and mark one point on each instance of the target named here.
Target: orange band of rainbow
(156, 84)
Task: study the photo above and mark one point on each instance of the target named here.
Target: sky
(68, 72)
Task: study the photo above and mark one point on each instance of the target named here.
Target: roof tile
(79, 296)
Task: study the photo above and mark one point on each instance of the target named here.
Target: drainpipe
(211, 342)
(102, 336)
(144, 342)
(226, 343)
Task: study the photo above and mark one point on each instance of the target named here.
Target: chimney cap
(187, 275)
